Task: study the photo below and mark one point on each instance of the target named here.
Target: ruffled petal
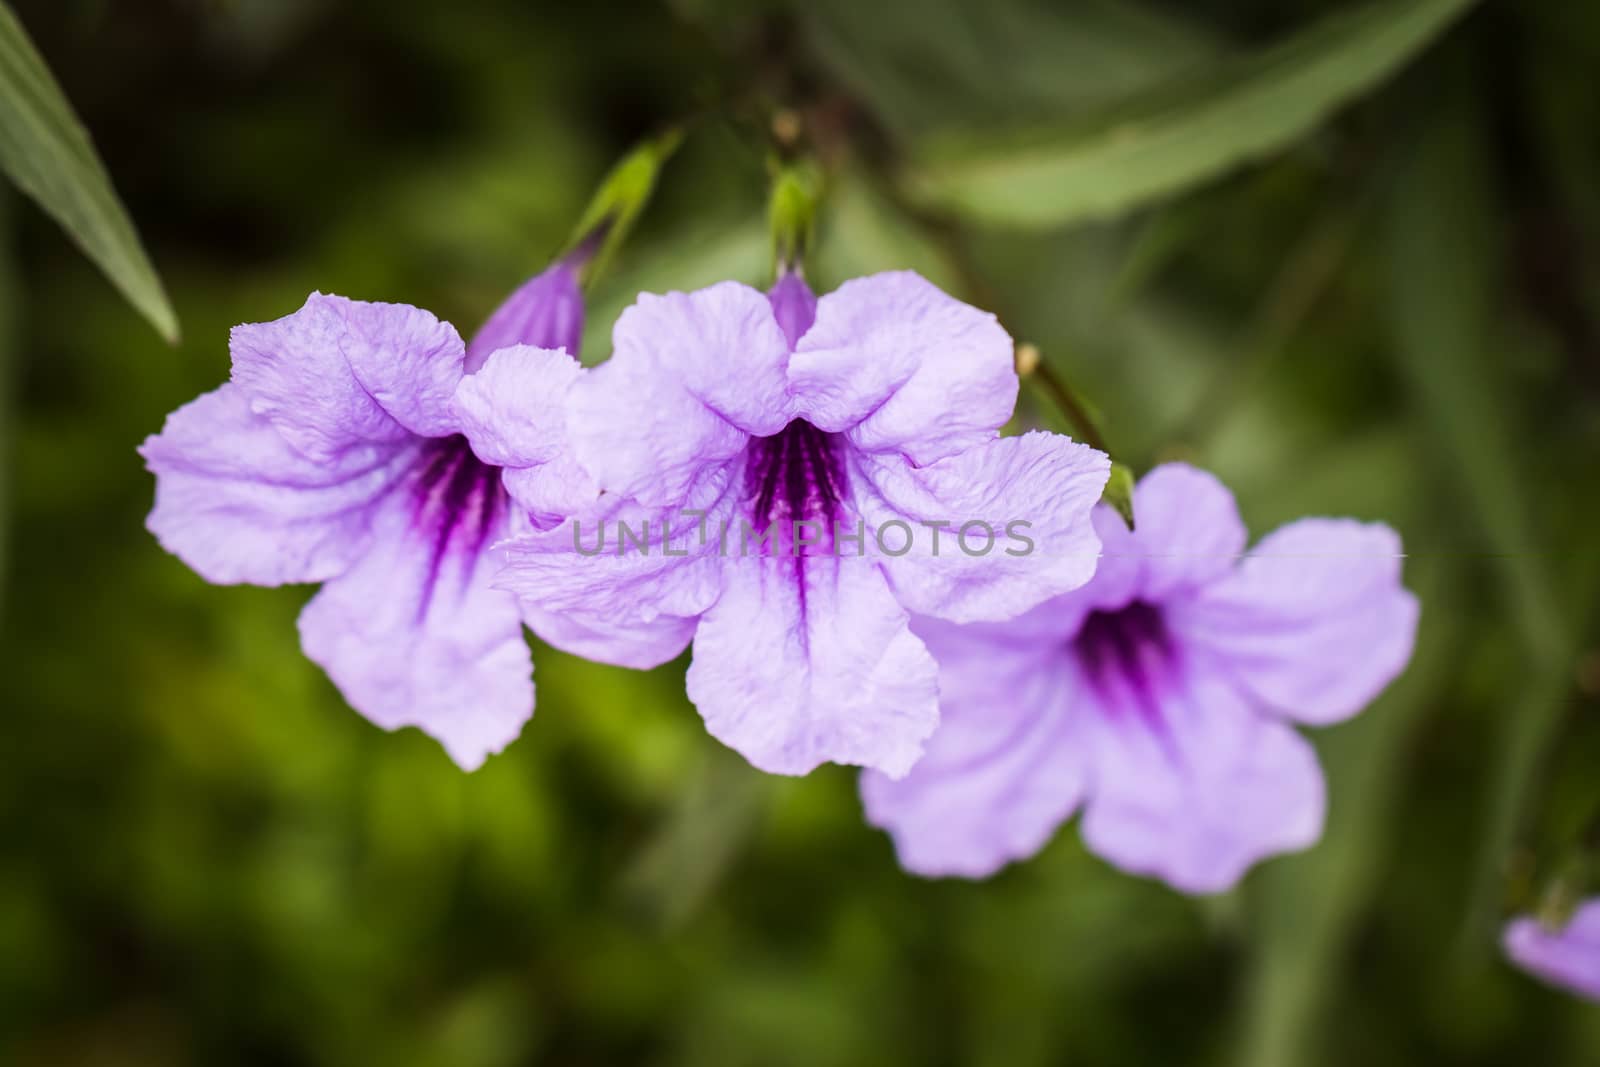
(1568, 958)
(296, 376)
(611, 572)
(513, 410)
(236, 503)
(513, 413)
(1198, 794)
(692, 377)
(407, 360)
(413, 635)
(808, 661)
(1003, 771)
(901, 367)
(1314, 622)
(1016, 515)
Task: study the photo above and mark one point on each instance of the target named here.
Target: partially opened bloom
(1160, 698)
(336, 454)
(727, 420)
(1568, 957)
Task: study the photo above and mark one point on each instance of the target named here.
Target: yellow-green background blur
(207, 858)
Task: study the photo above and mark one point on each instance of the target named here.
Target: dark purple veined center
(457, 499)
(1128, 657)
(794, 475)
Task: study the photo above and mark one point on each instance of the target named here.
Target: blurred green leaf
(1308, 269)
(1442, 252)
(46, 151)
(863, 231)
(1305, 908)
(1182, 132)
(699, 840)
(8, 370)
(926, 65)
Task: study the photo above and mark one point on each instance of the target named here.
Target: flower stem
(1031, 367)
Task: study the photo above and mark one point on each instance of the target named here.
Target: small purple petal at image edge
(1568, 958)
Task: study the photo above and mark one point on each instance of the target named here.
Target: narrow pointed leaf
(47, 153)
(1182, 132)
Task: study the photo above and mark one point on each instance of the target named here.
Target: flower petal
(1203, 793)
(413, 635)
(902, 367)
(237, 504)
(693, 375)
(1187, 531)
(1314, 621)
(546, 311)
(1004, 769)
(1568, 958)
(513, 410)
(1028, 500)
(295, 373)
(798, 665)
(637, 644)
(409, 361)
(598, 579)
(794, 306)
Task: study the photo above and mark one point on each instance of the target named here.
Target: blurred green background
(206, 857)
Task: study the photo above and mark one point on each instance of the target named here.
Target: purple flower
(1158, 697)
(725, 413)
(1568, 957)
(337, 453)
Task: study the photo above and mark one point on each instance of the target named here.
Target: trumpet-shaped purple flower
(338, 453)
(725, 418)
(1159, 698)
(1568, 957)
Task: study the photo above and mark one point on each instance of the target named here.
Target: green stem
(1066, 400)
(1119, 486)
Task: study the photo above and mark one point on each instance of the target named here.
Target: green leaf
(1443, 257)
(9, 367)
(699, 840)
(1306, 910)
(862, 231)
(926, 65)
(1186, 130)
(46, 152)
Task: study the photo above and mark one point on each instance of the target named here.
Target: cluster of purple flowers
(815, 495)
(1151, 676)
